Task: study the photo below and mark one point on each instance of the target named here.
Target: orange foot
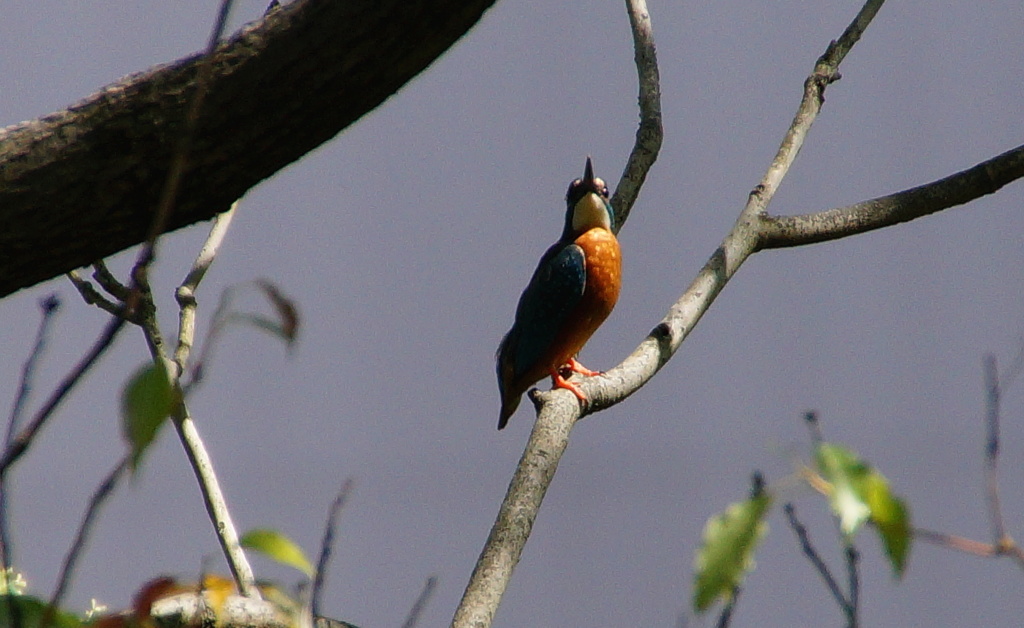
(582, 370)
(561, 382)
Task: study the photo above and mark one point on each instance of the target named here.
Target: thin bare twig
(49, 307)
(327, 544)
(91, 295)
(109, 282)
(812, 555)
(202, 464)
(186, 292)
(853, 579)
(970, 546)
(20, 444)
(1002, 543)
(958, 543)
(992, 399)
(216, 505)
(725, 618)
(199, 459)
(71, 559)
(826, 71)
(814, 427)
(421, 603)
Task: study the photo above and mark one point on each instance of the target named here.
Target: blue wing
(554, 291)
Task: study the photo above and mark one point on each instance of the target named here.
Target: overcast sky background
(407, 240)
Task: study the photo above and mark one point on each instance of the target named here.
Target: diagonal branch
(81, 184)
(99, 497)
(956, 189)
(826, 71)
(804, 537)
(549, 439)
(20, 444)
(558, 410)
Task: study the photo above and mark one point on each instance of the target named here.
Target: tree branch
(558, 410)
(99, 497)
(550, 435)
(649, 133)
(199, 459)
(186, 292)
(826, 71)
(804, 537)
(20, 444)
(956, 189)
(327, 545)
(213, 499)
(81, 184)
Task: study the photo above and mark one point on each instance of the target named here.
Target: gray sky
(406, 242)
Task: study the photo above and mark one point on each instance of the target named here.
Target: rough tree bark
(83, 183)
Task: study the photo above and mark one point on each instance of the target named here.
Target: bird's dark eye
(604, 191)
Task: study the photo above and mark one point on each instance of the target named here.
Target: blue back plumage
(555, 289)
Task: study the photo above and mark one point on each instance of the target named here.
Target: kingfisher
(571, 293)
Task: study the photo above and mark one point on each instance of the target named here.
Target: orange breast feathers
(604, 278)
(604, 270)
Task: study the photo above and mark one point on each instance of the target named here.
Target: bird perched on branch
(571, 293)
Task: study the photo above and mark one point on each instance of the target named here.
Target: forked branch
(549, 438)
(754, 230)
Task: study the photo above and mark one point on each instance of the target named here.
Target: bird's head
(587, 205)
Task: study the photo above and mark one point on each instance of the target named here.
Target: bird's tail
(508, 408)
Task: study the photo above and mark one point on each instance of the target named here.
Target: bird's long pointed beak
(588, 172)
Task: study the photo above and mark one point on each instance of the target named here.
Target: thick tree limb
(82, 184)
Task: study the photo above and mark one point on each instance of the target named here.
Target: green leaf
(273, 544)
(860, 493)
(890, 515)
(845, 472)
(146, 401)
(33, 613)
(727, 552)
